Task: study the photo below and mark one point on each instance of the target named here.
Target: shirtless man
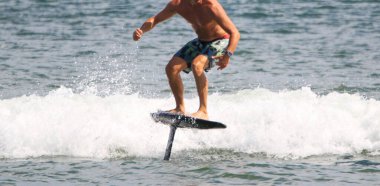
(216, 43)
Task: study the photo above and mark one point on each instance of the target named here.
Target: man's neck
(194, 2)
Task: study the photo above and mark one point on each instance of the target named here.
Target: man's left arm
(225, 22)
(221, 17)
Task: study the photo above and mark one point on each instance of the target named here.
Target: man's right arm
(165, 14)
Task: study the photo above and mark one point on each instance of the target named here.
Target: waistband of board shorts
(226, 36)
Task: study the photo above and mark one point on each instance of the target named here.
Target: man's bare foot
(200, 114)
(176, 111)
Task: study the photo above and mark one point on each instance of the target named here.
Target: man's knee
(175, 66)
(169, 68)
(199, 64)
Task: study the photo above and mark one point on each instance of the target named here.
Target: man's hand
(223, 61)
(137, 34)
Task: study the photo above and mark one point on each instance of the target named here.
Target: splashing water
(283, 124)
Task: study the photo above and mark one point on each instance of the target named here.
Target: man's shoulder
(173, 5)
(175, 2)
(212, 4)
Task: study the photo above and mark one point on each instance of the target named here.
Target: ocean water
(300, 98)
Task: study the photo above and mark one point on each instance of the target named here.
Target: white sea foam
(297, 123)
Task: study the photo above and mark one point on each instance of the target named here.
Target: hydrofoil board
(184, 121)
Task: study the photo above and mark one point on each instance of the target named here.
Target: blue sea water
(301, 96)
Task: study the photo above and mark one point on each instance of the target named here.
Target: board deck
(183, 121)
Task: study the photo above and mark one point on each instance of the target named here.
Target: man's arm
(225, 22)
(220, 16)
(165, 14)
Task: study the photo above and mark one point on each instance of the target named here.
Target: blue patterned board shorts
(197, 47)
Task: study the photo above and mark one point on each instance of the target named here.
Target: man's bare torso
(198, 15)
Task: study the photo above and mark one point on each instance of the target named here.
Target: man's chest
(197, 17)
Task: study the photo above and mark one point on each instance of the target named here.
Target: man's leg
(199, 64)
(173, 70)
